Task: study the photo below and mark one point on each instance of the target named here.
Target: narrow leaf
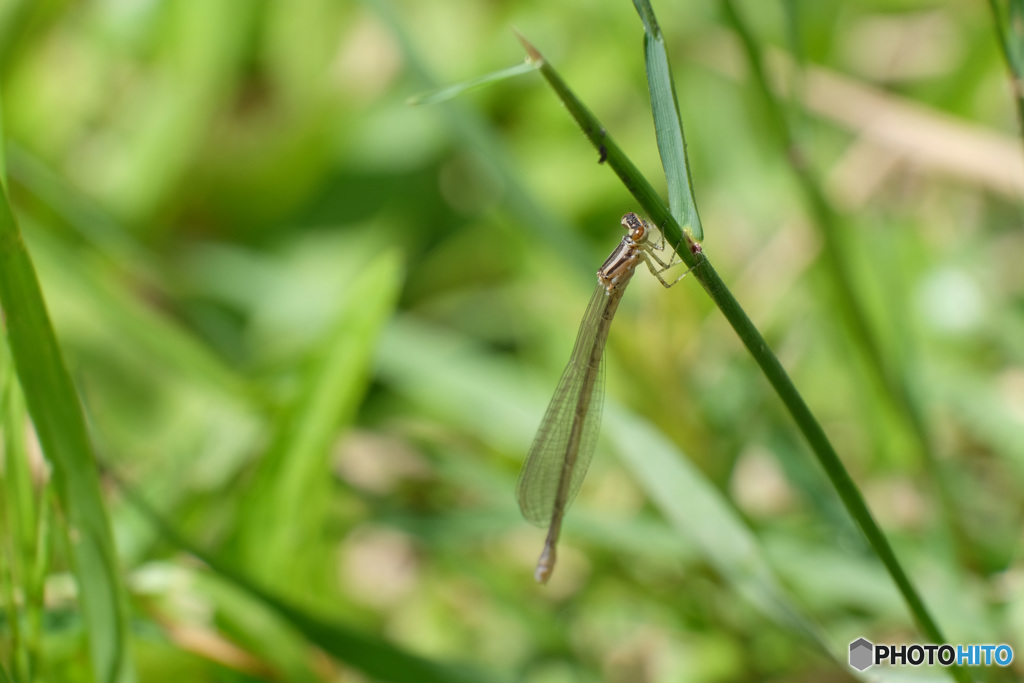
(293, 477)
(55, 409)
(3, 148)
(668, 125)
(697, 510)
(452, 91)
(20, 523)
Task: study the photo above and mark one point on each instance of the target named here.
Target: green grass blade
(19, 491)
(694, 506)
(668, 125)
(755, 343)
(452, 91)
(20, 524)
(57, 414)
(293, 478)
(3, 148)
(12, 643)
(374, 656)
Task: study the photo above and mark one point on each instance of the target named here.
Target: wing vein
(567, 437)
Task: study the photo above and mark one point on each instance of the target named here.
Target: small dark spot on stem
(604, 154)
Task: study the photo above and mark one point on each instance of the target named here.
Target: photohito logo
(864, 654)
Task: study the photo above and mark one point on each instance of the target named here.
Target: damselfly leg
(651, 258)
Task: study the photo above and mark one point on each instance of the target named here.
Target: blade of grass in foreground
(57, 414)
(668, 125)
(776, 375)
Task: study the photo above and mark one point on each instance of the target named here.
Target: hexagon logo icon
(861, 651)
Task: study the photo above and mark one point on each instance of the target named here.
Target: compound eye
(635, 225)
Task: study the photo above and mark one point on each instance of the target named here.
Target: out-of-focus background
(316, 328)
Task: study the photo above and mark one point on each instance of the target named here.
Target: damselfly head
(637, 227)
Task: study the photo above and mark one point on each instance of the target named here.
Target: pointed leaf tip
(532, 53)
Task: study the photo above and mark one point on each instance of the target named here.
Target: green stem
(692, 255)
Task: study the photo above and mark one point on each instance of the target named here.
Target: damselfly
(565, 441)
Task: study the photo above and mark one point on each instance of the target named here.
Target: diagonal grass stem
(770, 365)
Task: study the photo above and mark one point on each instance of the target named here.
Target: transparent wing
(578, 398)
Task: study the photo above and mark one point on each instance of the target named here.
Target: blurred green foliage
(315, 329)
